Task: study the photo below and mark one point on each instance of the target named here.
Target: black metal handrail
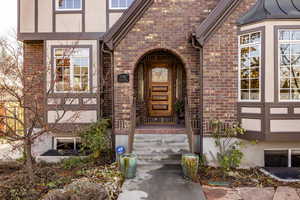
(132, 126)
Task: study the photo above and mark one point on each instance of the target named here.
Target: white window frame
(279, 66)
(117, 8)
(239, 67)
(71, 71)
(67, 9)
(65, 138)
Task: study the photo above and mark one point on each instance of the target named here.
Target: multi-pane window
(11, 115)
(289, 65)
(249, 66)
(69, 5)
(120, 4)
(71, 69)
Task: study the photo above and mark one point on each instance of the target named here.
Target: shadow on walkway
(161, 183)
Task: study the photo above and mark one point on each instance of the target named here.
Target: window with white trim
(69, 5)
(120, 4)
(282, 157)
(289, 65)
(67, 144)
(71, 66)
(250, 66)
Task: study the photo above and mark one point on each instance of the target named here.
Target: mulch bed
(14, 182)
(240, 178)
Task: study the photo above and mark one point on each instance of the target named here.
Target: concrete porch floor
(160, 129)
(164, 182)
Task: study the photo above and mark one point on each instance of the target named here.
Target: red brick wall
(220, 69)
(34, 71)
(107, 93)
(165, 25)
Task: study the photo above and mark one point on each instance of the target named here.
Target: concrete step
(153, 146)
(161, 162)
(159, 157)
(169, 138)
(160, 149)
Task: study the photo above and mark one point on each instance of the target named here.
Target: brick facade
(107, 86)
(34, 71)
(220, 69)
(165, 25)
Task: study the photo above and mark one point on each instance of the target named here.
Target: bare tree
(15, 87)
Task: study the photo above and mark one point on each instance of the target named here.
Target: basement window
(282, 158)
(276, 158)
(295, 158)
(67, 145)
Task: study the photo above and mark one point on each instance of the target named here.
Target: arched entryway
(160, 89)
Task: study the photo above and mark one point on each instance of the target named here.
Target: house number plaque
(123, 78)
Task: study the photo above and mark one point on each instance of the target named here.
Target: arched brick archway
(129, 61)
(160, 88)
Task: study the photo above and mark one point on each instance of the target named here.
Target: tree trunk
(29, 163)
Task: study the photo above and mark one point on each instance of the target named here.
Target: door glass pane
(160, 75)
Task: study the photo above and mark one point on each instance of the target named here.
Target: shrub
(229, 154)
(74, 162)
(96, 138)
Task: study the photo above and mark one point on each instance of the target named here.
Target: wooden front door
(160, 90)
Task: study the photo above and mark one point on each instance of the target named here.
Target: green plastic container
(128, 164)
(190, 164)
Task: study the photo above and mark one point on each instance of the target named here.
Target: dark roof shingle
(272, 9)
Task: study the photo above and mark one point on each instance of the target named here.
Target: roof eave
(118, 31)
(222, 10)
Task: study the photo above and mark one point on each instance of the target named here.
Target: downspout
(197, 46)
(101, 75)
(113, 92)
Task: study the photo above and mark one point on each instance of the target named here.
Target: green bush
(179, 106)
(96, 138)
(74, 162)
(229, 154)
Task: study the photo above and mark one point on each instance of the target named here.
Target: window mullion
(74, 139)
(71, 74)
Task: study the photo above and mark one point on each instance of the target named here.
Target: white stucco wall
(42, 144)
(45, 16)
(113, 18)
(26, 16)
(251, 124)
(69, 23)
(9, 152)
(251, 110)
(73, 116)
(95, 16)
(253, 153)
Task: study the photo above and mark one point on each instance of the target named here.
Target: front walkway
(160, 183)
(251, 193)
